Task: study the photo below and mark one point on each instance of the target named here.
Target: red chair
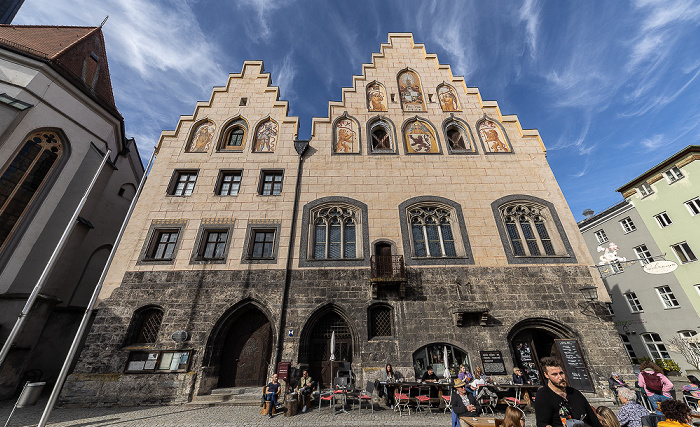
(366, 396)
(423, 398)
(401, 395)
(325, 396)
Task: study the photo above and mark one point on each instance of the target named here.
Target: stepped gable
(381, 60)
(77, 53)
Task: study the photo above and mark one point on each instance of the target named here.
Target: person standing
(556, 402)
(463, 404)
(656, 385)
(272, 393)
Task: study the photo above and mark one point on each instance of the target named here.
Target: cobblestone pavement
(188, 415)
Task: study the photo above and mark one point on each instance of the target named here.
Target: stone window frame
(345, 115)
(238, 121)
(505, 136)
(370, 321)
(207, 225)
(158, 225)
(261, 182)
(306, 241)
(426, 122)
(136, 325)
(466, 129)
(568, 258)
(459, 232)
(172, 185)
(390, 129)
(257, 225)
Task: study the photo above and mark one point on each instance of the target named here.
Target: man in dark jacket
(463, 404)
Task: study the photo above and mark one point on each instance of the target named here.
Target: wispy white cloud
(655, 102)
(259, 28)
(530, 14)
(455, 33)
(284, 78)
(654, 141)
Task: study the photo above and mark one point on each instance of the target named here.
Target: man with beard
(556, 402)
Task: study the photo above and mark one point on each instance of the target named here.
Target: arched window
(431, 231)
(381, 139)
(234, 137)
(22, 178)
(458, 137)
(379, 321)
(527, 230)
(334, 233)
(145, 326)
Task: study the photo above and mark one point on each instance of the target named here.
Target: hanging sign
(660, 267)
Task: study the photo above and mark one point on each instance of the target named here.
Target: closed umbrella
(333, 346)
(447, 363)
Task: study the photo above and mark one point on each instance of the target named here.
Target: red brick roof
(69, 50)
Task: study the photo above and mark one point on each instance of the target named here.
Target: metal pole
(49, 266)
(88, 311)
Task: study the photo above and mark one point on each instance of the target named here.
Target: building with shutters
(417, 220)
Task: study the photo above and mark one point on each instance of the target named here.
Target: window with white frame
(645, 189)
(229, 183)
(683, 252)
(643, 254)
(431, 231)
(693, 206)
(687, 335)
(667, 298)
(627, 225)
(633, 301)
(656, 347)
(601, 237)
(629, 349)
(672, 175)
(663, 219)
(183, 183)
(335, 232)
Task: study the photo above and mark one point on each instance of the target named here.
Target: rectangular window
(635, 306)
(163, 244)
(645, 189)
(213, 245)
(656, 347)
(627, 225)
(667, 298)
(183, 183)
(672, 175)
(229, 183)
(630, 350)
(693, 206)
(684, 253)
(271, 183)
(643, 254)
(609, 307)
(262, 244)
(663, 219)
(601, 237)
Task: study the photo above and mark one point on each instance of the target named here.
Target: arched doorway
(315, 350)
(244, 347)
(532, 339)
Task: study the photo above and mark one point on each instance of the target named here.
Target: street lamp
(590, 293)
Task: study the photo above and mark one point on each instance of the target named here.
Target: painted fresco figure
(376, 97)
(448, 99)
(202, 138)
(492, 137)
(345, 137)
(266, 137)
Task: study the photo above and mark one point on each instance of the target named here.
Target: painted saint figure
(266, 137)
(410, 92)
(202, 137)
(448, 98)
(376, 97)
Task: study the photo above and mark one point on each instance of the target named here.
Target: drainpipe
(300, 146)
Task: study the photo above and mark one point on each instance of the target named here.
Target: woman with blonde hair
(607, 417)
(515, 417)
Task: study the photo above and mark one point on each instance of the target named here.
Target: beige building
(417, 221)
(57, 121)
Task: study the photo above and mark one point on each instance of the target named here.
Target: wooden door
(246, 352)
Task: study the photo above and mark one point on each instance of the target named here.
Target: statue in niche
(376, 97)
(493, 137)
(345, 136)
(202, 137)
(448, 98)
(266, 137)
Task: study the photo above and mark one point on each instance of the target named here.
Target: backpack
(652, 383)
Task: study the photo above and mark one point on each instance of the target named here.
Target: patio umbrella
(447, 363)
(333, 346)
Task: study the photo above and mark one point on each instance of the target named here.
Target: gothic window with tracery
(526, 226)
(335, 233)
(431, 231)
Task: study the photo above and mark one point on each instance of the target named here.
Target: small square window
(667, 298)
(430, 97)
(601, 237)
(643, 254)
(244, 102)
(693, 206)
(229, 183)
(262, 244)
(645, 189)
(213, 245)
(183, 183)
(672, 175)
(633, 301)
(163, 244)
(683, 252)
(271, 183)
(663, 219)
(627, 225)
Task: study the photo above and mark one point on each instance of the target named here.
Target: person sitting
(429, 376)
(463, 404)
(615, 382)
(692, 390)
(389, 376)
(272, 393)
(464, 375)
(676, 412)
(518, 377)
(479, 389)
(515, 417)
(631, 413)
(607, 417)
(305, 388)
(657, 386)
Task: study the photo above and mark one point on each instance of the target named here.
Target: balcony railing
(388, 268)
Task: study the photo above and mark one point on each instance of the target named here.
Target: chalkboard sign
(492, 362)
(574, 365)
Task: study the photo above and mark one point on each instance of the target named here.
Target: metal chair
(325, 396)
(691, 401)
(485, 401)
(402, 399)
(423, 398)
(366, 396)
(446, 397)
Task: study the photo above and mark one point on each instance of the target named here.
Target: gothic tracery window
(526, 226)
(335, 233)
(431, 231)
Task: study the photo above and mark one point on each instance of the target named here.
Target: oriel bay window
(335, 233)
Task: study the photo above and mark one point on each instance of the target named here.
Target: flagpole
(91, 305)
(49, 266)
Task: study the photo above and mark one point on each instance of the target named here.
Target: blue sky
(612, 86)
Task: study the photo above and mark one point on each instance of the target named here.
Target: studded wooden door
(246, 352)
(319, 363)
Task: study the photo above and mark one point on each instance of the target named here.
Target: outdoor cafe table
(482, 421)
(521, 390)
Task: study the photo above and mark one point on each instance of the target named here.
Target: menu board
(574, 365)
(492, 362)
